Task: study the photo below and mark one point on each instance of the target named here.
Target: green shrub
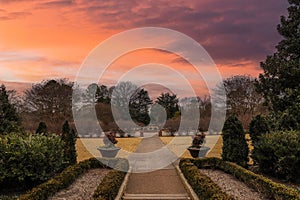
(235, 147)
(68, 136)
(68, 176)
(27, 160)
(290, 118)
(278, 154)
(109, 187)
(270, 189)
(203, 186)
(257, 127)
(9, 118)
(111, 183)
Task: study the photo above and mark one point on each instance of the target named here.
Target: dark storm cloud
(231, 30)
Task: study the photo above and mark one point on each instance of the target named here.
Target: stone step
(156, 196)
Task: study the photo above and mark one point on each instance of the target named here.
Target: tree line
(50, 101)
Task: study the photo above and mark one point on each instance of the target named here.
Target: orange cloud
(42, 39)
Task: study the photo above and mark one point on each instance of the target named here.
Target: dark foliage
(235, 147)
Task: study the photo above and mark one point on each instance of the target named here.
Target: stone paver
(160, 181)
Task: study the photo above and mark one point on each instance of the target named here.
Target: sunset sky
(42, 39)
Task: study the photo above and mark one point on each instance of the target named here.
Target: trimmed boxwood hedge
(68, 176)
(261, 184)
(203, 186)
(109, 187)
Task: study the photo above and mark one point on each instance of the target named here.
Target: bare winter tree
(241, 97)
(51, 102)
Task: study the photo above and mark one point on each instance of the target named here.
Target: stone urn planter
(197, 149)
(109, 152)
(198, 152)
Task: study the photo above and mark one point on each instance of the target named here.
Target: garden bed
(231, 185)
(268, 188)
(70, 175)
(84, 186)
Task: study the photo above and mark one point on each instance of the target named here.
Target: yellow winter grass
(216, 151)
(87, 147)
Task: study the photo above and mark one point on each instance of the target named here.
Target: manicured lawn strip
(261, 184)
(203, 186)
(67, 177)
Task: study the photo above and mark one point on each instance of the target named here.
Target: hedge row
(67, 177)
(109, 187)
(203, 186)
(261, 184)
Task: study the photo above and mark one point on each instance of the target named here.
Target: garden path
(153, 174)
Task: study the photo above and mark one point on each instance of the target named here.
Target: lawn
(216, 150)
(87, 147)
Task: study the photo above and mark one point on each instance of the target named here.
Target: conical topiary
(257, 127)
(68, 136)
(235, 147)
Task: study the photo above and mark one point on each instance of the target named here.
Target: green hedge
(67, 177)
(109, 187)
(261, 184)
(278, 154)
(28, 160)
(203, 186)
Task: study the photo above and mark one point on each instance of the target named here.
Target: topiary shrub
(235, 148)
(68, 136)
(278, 154)
(27, 160)
(257, 127)
(42, 128)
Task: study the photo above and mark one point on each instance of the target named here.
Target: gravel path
(231, 185)
(83, 188)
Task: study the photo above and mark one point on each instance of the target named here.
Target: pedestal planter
(109, 152)
(198, 152)
(203, 151)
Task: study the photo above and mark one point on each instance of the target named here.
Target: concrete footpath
(148, 181)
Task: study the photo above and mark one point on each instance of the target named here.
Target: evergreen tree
(169, 102)
(42, 128)
(257, 127)
(139, 105)
(9, 119)
(68, 136)
(279, 83)
(235, 148)
(72, 150)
